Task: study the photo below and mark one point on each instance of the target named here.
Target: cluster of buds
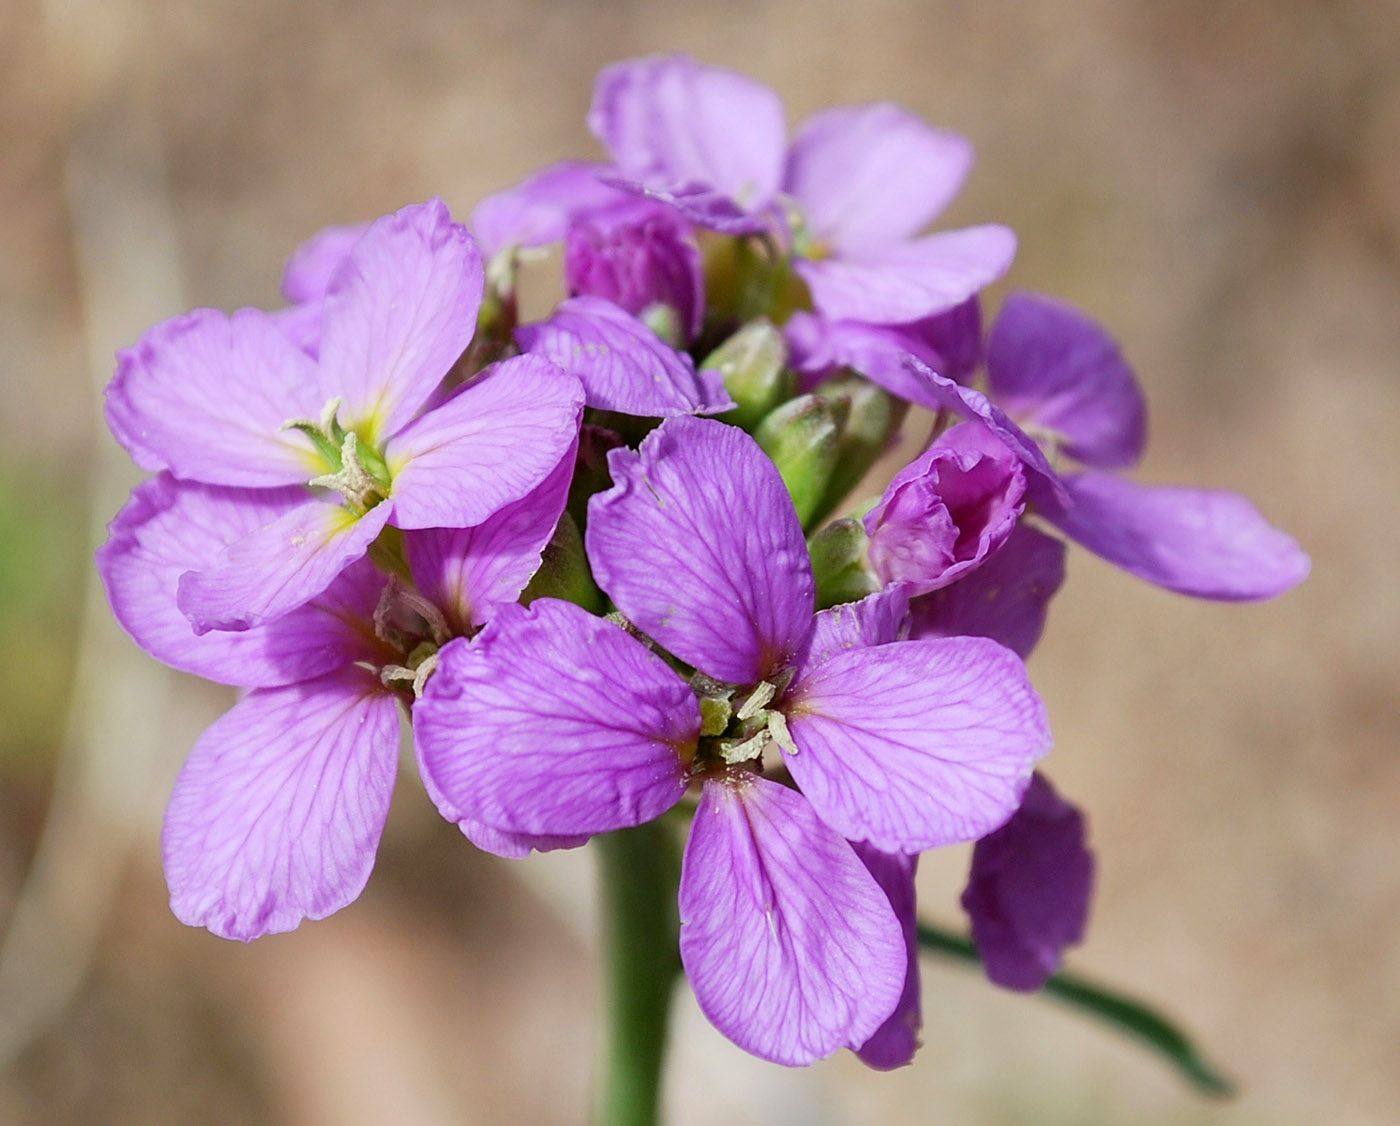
(608, 564)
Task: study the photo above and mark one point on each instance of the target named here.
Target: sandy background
(1219, 182)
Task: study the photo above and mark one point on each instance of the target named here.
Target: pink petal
(895, 1042)
(205, 396)
(539, 209)
(313, 264)
(916, 744)
(699, 546)
(552, 722)
(876, 619)
(869, 177)
(491, 443)
(790, 945)
(399, 312)
(515, 846)
(277, 813)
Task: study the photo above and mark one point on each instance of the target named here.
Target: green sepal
(838, 563)
(875, 417)
(564, 571)
(753, 363)
(803, 438)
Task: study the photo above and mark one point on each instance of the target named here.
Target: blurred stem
(639, 870)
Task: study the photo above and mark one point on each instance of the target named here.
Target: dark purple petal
(790, 945)
(896, 1041)
(552, 722)
(539, 209)
(1050, 366)
(1006, 599)
(916, 744)
(871, 176)
(699, 546)
(205, 396)
(623, 365)
(912, 280)
(313, 264)
(170, 527)
(282, 565)
(667, 120)
(876, 619)
(277, 813)
(1029, 889)
(490, 444)
(399, 312)
(1193, 541)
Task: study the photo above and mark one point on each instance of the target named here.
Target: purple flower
(1029, 889)
(230, 401)
(854, 189)
(553, 722)
(306, 280)
(949, 342)
(539, 210)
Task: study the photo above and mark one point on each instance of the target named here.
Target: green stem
(638, 873)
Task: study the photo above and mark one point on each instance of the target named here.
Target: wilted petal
(313, 264)
(205, 396)
(911, 280)
(170, 527)
(876, 619)
(1051, 366)
(1193, 541)
(790, 945)
(277, 813)
(1029, 889)
(490, 444)
(1006, 599)
(896, 1041)
(916, 744)
(552, 722)
(871, 176)
(623, 365)
(539, 209)
(399, 312)
(282, 565)
(698, 544)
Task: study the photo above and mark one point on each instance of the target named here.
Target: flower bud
(564, 571)
(803, 437)
(838, 563)
(874, 418)
(753, 363)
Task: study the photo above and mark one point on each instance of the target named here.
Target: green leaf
(1130, 1017)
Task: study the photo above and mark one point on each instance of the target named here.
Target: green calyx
(803, 437)
(753, 364)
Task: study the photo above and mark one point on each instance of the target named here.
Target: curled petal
(539, 209)
(895, 1042)
(790, 945)
(916, 744)
(277, 813)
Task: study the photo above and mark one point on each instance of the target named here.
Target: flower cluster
(598, 558)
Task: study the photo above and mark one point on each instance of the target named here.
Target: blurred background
(1218, 182)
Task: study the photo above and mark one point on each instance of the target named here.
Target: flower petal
(277, 813)
(895, 1042)
(869, 177)
(623, 365)
(515, 846)
(698, 544)
(170, 527)
(1051, 366)
(539, 209)
(1006, 599)
(283, 565)
(949, 342)
(1193, 541)
(205, 396)
(911, 280)
(790, 945)
(1029, 889)
(399, 312)
(916, 744)
(313, 264)
(876, 619)
(552, 722)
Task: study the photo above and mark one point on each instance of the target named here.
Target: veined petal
(668, 120)
(552, 722)
(170, 527)
(698, 544)
(491, 443)
(205, 396)
(623, 365)
(1006, 599)
(283, 565)
(277, 813)
(876, 619)
(912, 279)
(313, 264)
(1193, 541)
(469, 573)
(790, 945)
(1051, 366)
(916, 744)
(869, 177)
(539, 209)
(399, 312)
(895, 1042)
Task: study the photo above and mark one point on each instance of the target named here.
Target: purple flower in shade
(553, 722)
(230, 401)
(278, 811)
(946, 511)
(851, 193)
(894, 1043)
(1029, 889)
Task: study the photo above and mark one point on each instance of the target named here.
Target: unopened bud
(753, 363)
(839, 563)
(874, 418)
(564, 571)
(803, 438)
